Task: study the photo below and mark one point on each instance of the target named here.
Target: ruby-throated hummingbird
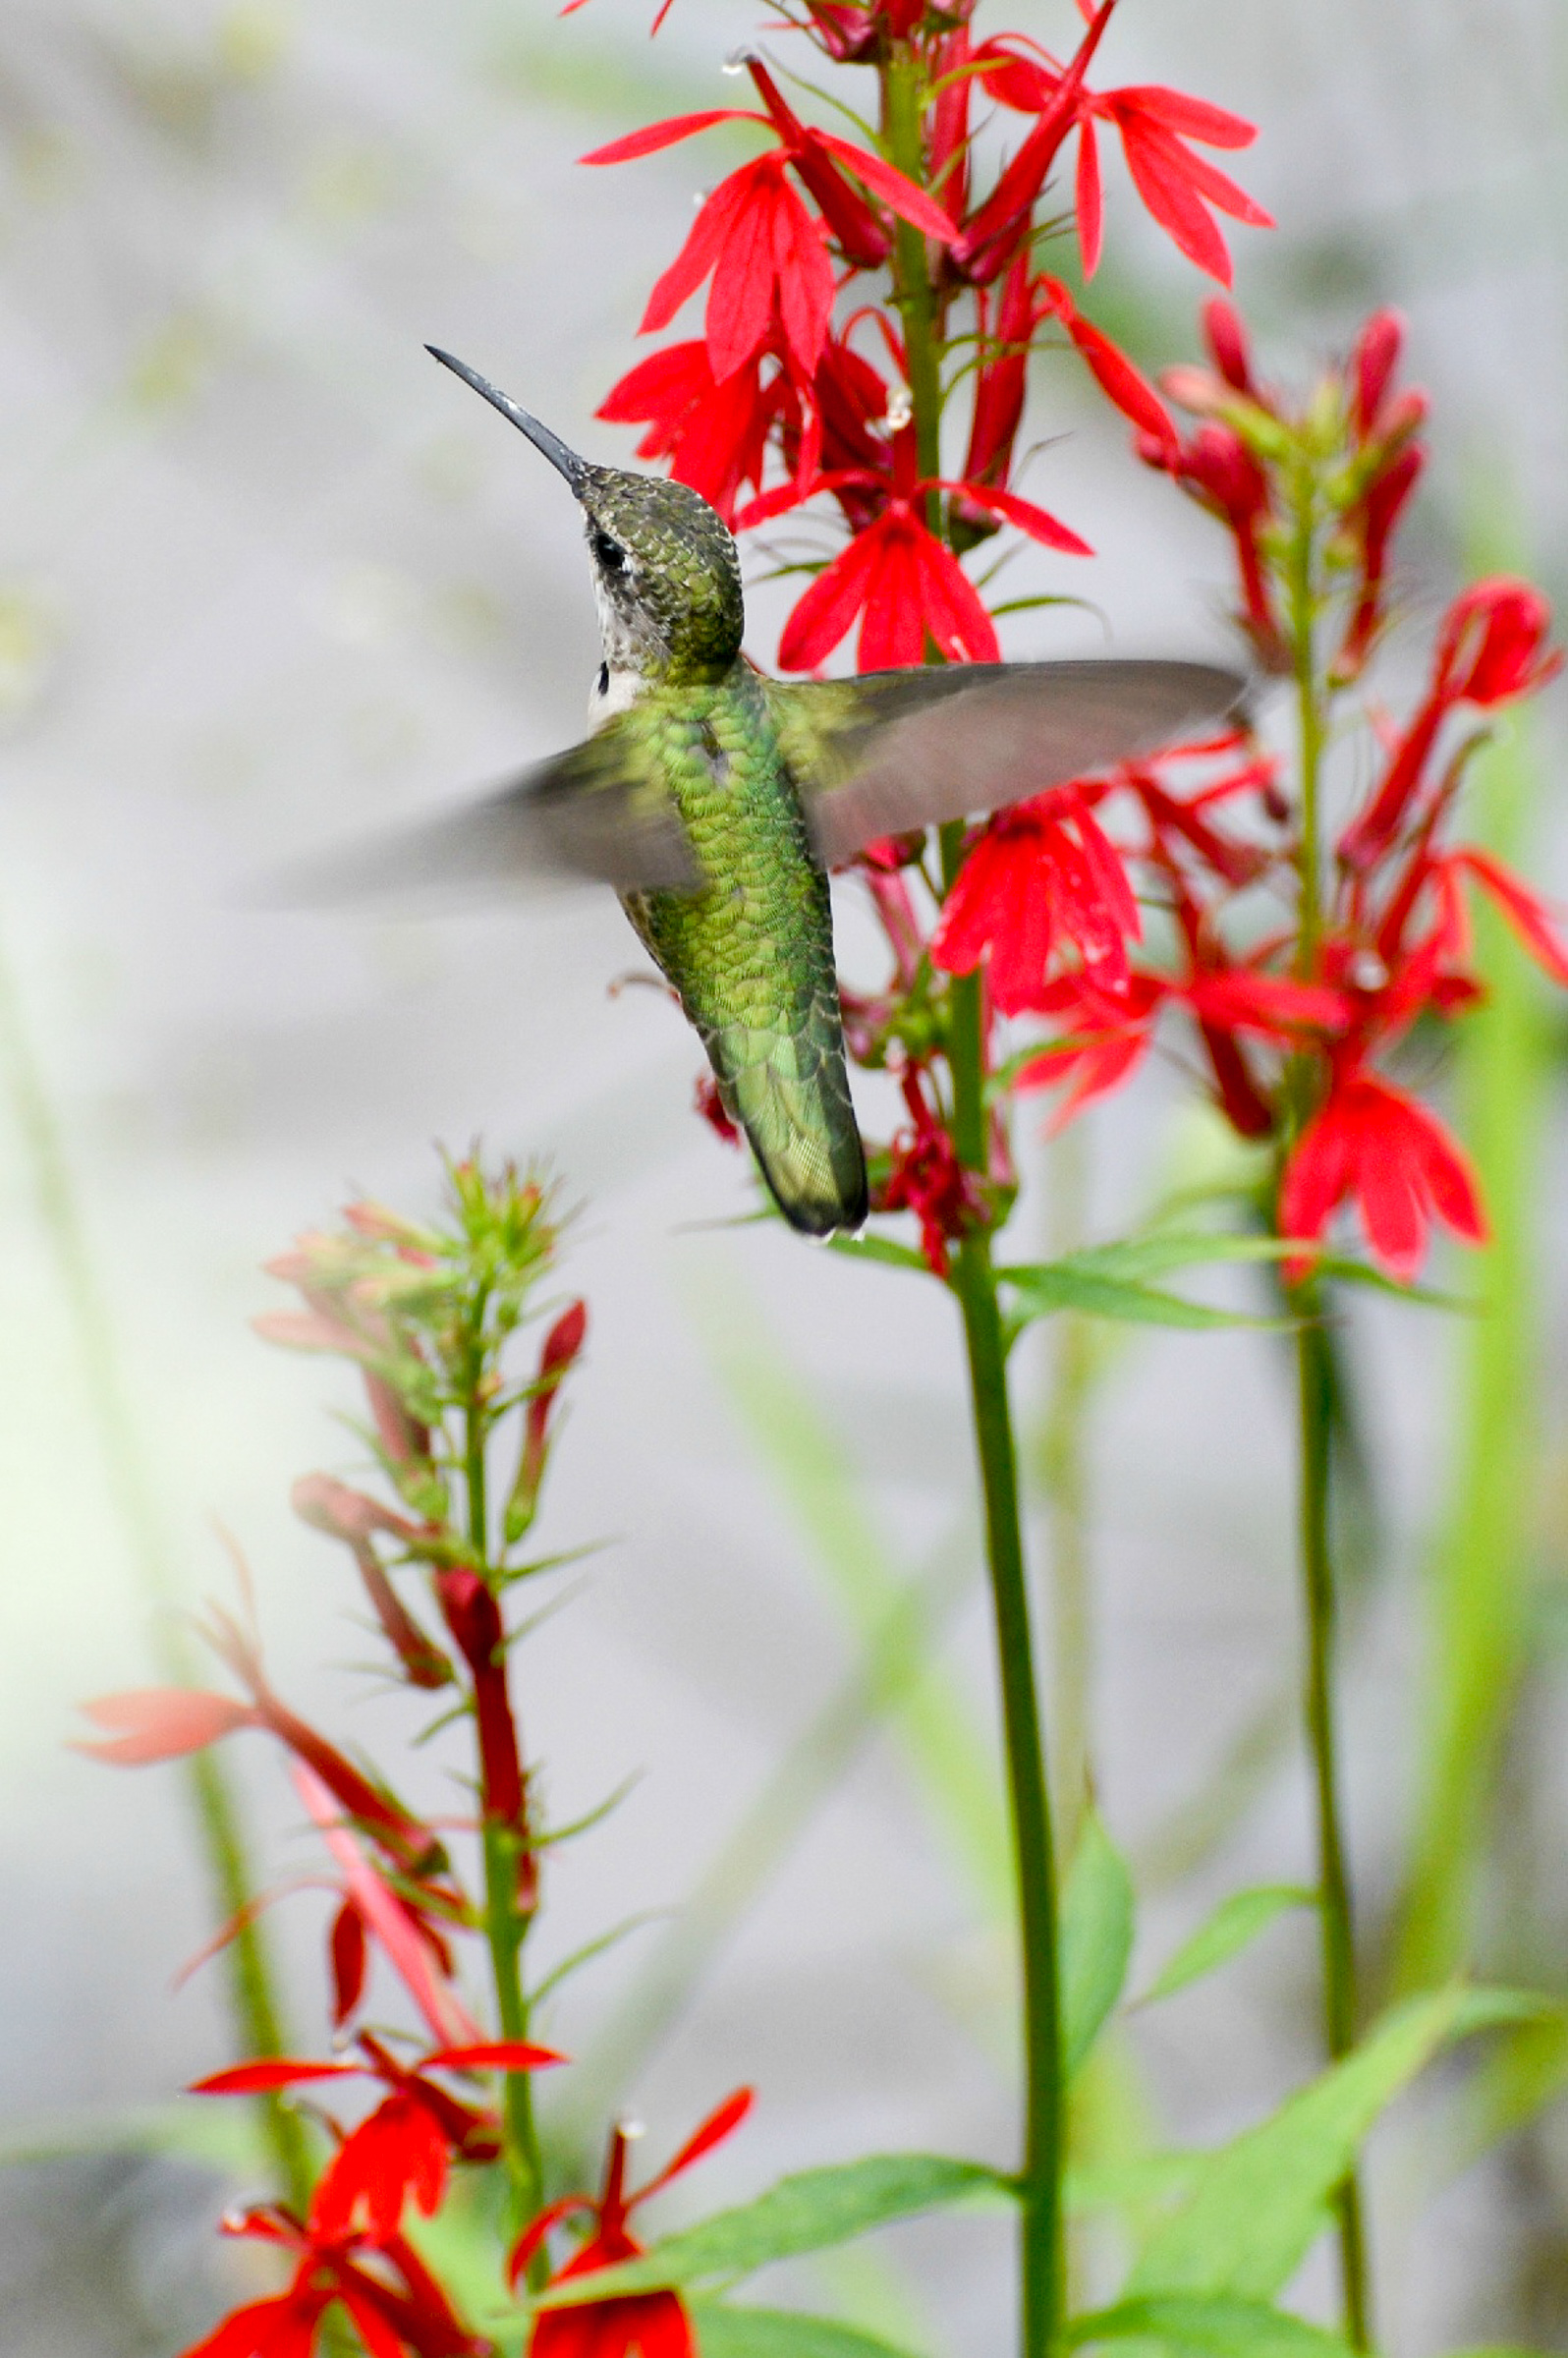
(716, 800)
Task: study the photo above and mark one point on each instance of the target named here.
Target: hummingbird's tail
(790, 1094)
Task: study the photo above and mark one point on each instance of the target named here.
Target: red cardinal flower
(767, 253)
(640, 2324)
(927, 1179)
(1155, 124)
(394, 2302)
(896, 576)
(1375, 1145)
(1491, 649)
(161, 1723)
(713, 430)
(398, 2152)
(1040, 873)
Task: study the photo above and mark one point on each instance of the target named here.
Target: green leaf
(1076, 1283)
(1257, 2205)
(879, 1247)
(1166, 1249)
(1096, 1939)
(1215, 2325)
(724, 2331)
(1427, 1296)
(1235, 1923)
(801, 2214)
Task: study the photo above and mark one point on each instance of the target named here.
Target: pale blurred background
(268, 579)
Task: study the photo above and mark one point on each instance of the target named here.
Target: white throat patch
(612, 691)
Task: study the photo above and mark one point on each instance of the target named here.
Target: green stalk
(253, 2003)
(506, 1927)
(973, 1282)
(1315, 1399)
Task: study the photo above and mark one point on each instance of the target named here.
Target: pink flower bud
(1373, 364)
(1225, 333)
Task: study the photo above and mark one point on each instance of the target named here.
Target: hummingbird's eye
(609, 553)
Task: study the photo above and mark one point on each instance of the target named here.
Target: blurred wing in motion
(598, 812)
(892, 750)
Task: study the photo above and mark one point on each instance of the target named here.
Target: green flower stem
(506, 1926)
(1333, 1899)
(253, 2002)
(973, 1282)
(1313, 1389)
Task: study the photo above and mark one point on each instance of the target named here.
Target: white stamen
(900, 410)
(631, 2129)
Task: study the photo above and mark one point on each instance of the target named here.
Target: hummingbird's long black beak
(565, 461)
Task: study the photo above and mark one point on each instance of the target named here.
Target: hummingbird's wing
(598, 810)
(892, 750)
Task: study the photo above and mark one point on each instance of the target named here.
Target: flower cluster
(427, 1316)
(806, 382)
(1299, 942)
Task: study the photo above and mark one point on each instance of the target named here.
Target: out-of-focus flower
(1372, 1144)
(1490, 649)
(925, 1177)
(400, 2152)
(392, 2299)
(641, 2325)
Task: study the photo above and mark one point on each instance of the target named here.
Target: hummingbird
(716, 800)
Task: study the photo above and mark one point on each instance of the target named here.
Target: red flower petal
(704, 244)
(1190, 118)
(350, 1954)
(830, 606)
(1161, 174)
(905, 198)
(1524, 911)
(1037, 521)
(953, 608)
(273, 2071)
(396, 2155)
(1088, 199)
(491, 2055)
(721, 2122)
(161, 1723)
(655, 136)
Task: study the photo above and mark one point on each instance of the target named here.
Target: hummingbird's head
(666, 570)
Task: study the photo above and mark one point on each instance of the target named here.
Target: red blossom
(560, 1350)
(713, 430)
(474, 1618)
(1039, 874)
(710, 1105)
(766, 252)
(392, 2299)
(896, 577)
(1216, 466)
(928, 1178)
(1491, 649)
(643, 2325)
(1373, 1144)
(398, 2152)
(1155, 127)
(162, 1723)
